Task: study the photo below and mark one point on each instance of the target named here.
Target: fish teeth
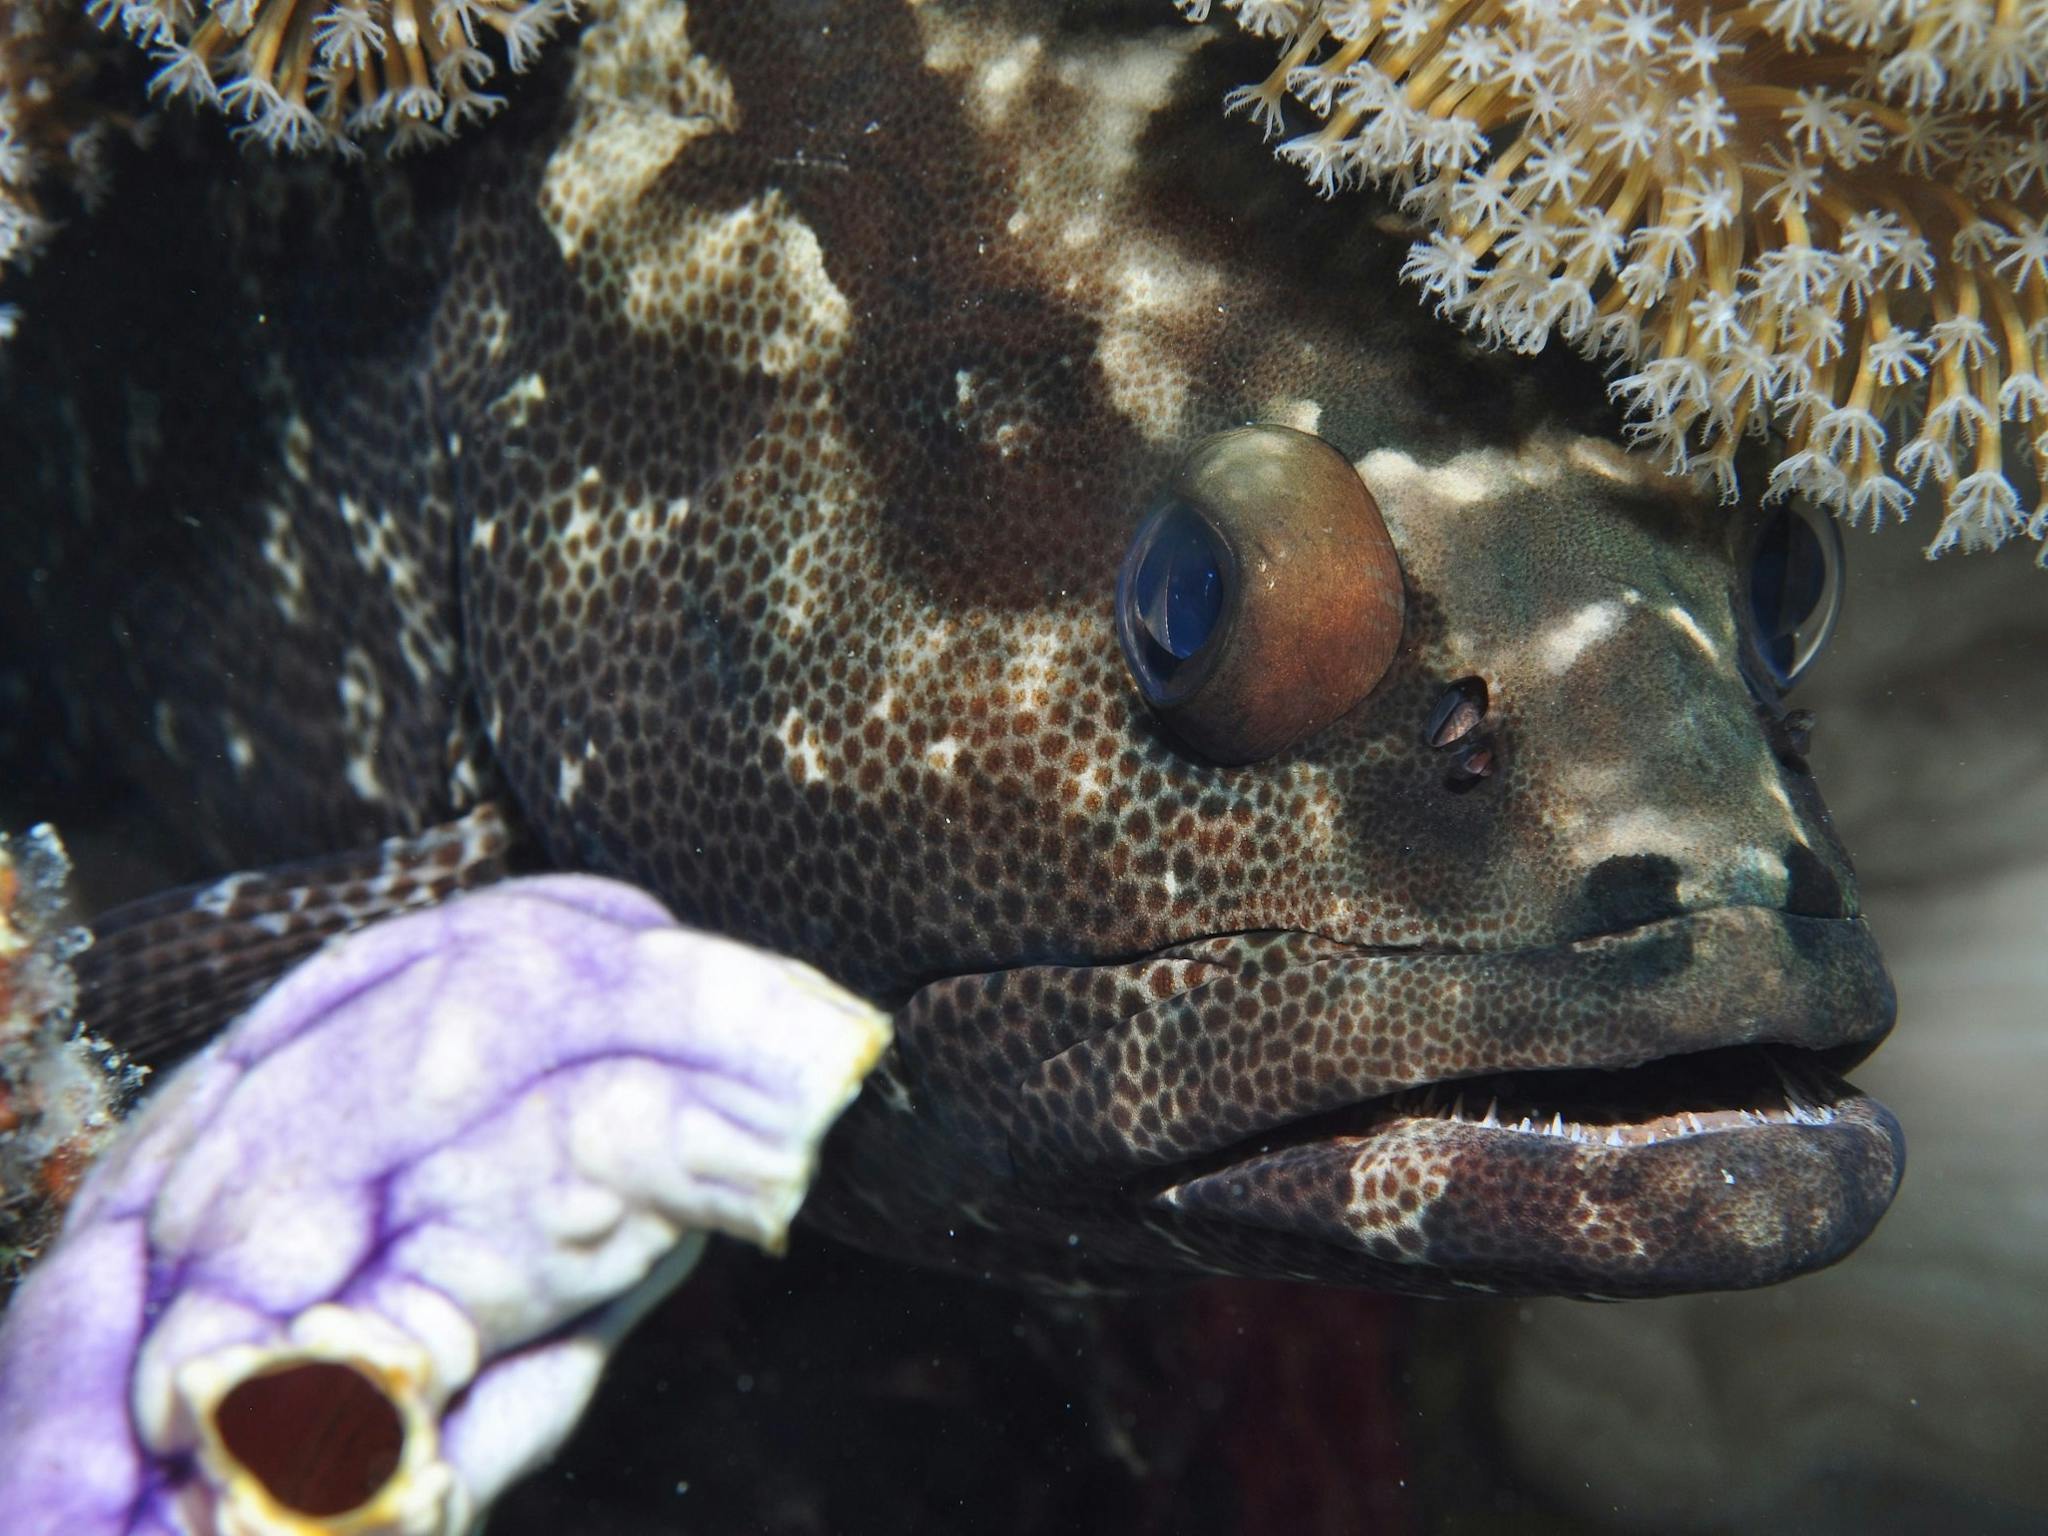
(1492, 1116)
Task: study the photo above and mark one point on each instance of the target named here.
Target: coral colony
(52, 135)
(322, 74)
(59, 1088)
(1827, 219)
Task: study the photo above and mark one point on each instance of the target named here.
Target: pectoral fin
(167, 973)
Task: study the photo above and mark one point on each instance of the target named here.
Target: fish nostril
(1629, 890)
(1790, 736)
(1457, 714)
(1811, 889)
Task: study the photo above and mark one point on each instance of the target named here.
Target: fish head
(1316, 805)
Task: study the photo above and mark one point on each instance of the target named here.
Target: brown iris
(1263, 598)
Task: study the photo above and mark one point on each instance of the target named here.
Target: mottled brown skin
(787, 397)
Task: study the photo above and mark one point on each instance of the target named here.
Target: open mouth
(1633, 1113)
(1705, 1093)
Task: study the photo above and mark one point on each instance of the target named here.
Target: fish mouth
(1718, 1170)
(1644, 1112)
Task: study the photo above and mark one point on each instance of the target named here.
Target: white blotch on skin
(583, 527)
(164, 726)
(1302, 415)
(362, 713)
(815, 315)
(1774, 790)
(1317, 828)
(804, 746)
(996, 84)
(1566, 641)
(1688, 626)
(1148, 280)
(643, 95)
(1033, 668)
(240, 749)
(923, 646)
(515, 407)
(219, 898)
(1638, 831)
(1479, 476)
(1082, 229)
(281, 553)
(1462, 482)
(495, 323)
(568, 779)
(1765, 870)
(1597, 456)
(298, 449)
(941, 753)
(1156, 296)
(1678, 838)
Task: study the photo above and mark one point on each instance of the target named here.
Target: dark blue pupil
(1787, 578)
(1169, 594)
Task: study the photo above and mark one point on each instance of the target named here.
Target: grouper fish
(917, 488)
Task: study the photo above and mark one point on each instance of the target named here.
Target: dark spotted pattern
(238, 547)
(785, 405)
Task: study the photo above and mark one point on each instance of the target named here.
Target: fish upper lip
(1625, 930)
(1699, 981)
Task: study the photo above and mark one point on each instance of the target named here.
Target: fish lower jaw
(1735, 1167)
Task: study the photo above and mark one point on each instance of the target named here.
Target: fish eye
(1170, 601)
(1262, 597)
(1791, 590)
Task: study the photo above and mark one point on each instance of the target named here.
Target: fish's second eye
(1170, 600)
(1792, 590)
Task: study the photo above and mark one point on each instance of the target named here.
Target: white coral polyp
(409, 68)
(1832, 213)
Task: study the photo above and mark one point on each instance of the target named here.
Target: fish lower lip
(1660, 1186)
